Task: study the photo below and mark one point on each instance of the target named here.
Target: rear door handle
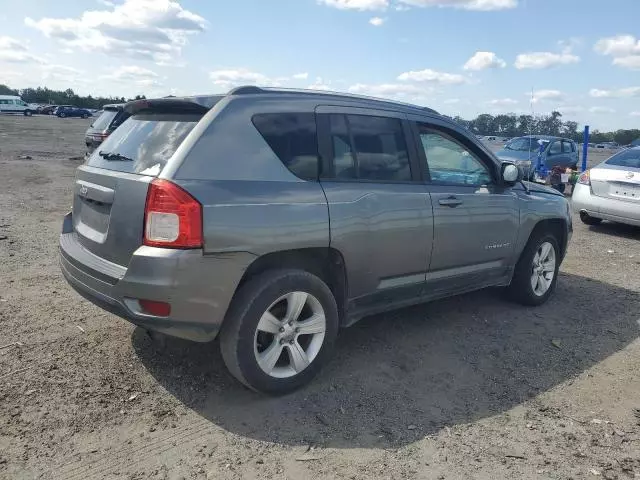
(450, 202)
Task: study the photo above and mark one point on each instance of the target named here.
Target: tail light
(172, 217)
(100, 136)
(159, 309)
(585, 178)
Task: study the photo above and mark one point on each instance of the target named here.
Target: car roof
(9, 96)
(113, 106)
(207, 101)
(546, 137)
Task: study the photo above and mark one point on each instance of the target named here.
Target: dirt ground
(470, 387)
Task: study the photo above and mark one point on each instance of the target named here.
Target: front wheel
(62, 115)
(28, 113)
(279, 330)
(536, 273)
(84, 116)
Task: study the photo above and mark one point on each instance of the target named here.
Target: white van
(14, 104)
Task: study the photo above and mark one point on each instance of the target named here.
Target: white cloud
(107, 3)
(635, 114)
(620, 93)
(540, 60)
(465, 4)
(599, 110)
(451, 101)
(356, 4)
(625, 50)
(390, 90)
(319, 84)
(484, 60)
(434, 77)
(541, 95)
(564, 109)
(15, 51)
(377, 21)
(136, 75)
(631, 62)
(300, 76)
(402, 8)
(363, 5)
(143, 29)
(618, 46)
(229, 78)
(502, 102)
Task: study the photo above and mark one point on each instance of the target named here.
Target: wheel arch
(327, 263)
(557, 226)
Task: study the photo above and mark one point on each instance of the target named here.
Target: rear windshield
(628, 158)
(104, 120)
(144, 143)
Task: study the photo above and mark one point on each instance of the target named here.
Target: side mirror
(511, 174)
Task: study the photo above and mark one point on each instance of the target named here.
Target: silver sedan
(611, 190)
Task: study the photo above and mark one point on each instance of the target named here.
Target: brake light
(172, 217)
(585, 178)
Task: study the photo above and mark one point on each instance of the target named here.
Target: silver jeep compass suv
(272, 218)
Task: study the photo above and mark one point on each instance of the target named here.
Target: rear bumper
(199, 288)
(606, 208)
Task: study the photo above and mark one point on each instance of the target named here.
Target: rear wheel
(62, 115)
(28, 113)
(536, 272)
(84, 115)
(279, 330)
(588, 219)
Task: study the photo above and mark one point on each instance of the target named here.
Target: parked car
(271, 218)
(110, 118)
(14, 104)
(611, 190)
(609, 145)
(70, 111)
(556, 152)
(48, 109)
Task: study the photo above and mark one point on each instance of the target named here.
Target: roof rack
(254, 90)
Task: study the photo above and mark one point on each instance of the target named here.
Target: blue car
(553, 152)
(64, 111)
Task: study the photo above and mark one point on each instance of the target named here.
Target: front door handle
(450, 202)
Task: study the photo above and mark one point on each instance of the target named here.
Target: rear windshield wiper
(108, 156)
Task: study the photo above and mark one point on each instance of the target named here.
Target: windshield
(628, 158)
(523, 145)
(104, 120)
(144, 143)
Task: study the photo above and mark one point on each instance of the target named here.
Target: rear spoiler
(196, 105)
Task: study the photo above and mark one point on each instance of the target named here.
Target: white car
(611, 190)
(14, 104)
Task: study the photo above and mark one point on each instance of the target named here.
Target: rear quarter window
(104, 120)
(144, 143)
(293, 138)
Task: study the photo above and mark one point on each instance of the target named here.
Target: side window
(451, 162)
(555, 148)
(293, 138)
(567, 147)
(369, 148)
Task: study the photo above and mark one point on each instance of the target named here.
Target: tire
(85, 116)
(242, 341)
(589, 220)
(28, 113)
(522, 289)
(62, 115)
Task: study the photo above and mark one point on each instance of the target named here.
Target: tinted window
(369, 148)
(148, 141)
(450, 162)
(104, 120)
(567, 147)
(629, 158)
(293, 138)
(523, 145)
(555, 148)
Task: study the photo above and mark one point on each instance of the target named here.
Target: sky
(461, 57)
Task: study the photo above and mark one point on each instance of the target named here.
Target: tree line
(44, 95)
(512, 125)
(504, 125)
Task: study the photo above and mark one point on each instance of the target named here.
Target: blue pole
(585, 147)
